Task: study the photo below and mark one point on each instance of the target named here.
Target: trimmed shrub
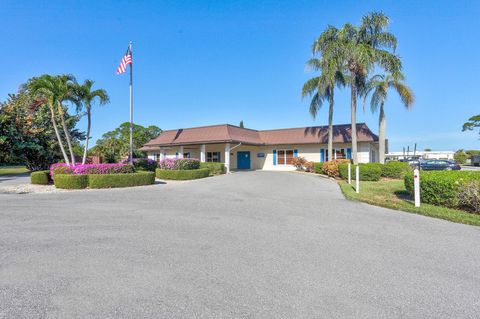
(330, 168)
(182, 174)
(469, 196)
(215, 168)
(40, 177)
(308, 166)
(368, 171)
(395, 169)
(143, 164)
(81, 169)
(299, 162)
(179, 164)
(120, 180)
(318, 167)
(71, 181)
(187, 164)
(441, 187)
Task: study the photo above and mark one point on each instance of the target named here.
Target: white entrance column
(162, 151)
(180, 152)
(202, 153)
(227, 157)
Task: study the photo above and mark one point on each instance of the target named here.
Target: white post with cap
(357, 179)
(416, 186)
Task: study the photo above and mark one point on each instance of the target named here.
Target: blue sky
(210, 62)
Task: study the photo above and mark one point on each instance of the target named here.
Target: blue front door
(243, 160)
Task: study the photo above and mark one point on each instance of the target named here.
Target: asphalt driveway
(246, 245)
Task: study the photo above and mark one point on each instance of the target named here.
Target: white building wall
(311, 152)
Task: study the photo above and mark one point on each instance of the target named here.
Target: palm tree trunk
(330, 128)
(67, 134)
(354, 120)
(89, 118)
(60, 143)
(381, 135)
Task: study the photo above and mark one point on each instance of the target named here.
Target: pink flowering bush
(82, 169)
(167, 163)
(179, 164)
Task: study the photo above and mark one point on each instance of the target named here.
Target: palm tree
(44, 91)
(322, 87)
(87, 98)
(54, 91)
(378, 86)
(67, 92)
(362, 49)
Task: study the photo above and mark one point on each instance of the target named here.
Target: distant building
(420, 154)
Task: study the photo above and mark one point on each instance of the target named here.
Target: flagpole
(131, 107)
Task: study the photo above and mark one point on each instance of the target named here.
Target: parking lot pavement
(244, 245)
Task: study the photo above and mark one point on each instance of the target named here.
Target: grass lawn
(392, 194)
(12, 170)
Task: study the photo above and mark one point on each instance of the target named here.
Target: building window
(213, 157)
(284, 157)
(340, 153)
(186, 155)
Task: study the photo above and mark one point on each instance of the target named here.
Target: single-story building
(243, 148)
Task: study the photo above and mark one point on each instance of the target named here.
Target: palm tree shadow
(344, 131)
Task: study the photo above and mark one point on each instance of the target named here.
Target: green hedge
(215, 168)
(396, 169)
(317, 167)
(368, 171)
(40, 177)
(441, 187)
(182, 174)
(70, 181)
(120, 180)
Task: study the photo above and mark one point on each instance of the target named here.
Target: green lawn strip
(13, 170)
(392, 194)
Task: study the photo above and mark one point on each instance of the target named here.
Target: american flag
(126, 60)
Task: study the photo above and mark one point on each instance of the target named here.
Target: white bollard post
(416, 186)
(349, 173)
(357, 178)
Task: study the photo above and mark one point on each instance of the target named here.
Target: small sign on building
(260, 154)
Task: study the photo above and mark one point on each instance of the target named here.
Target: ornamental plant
(167, 163)
(179, 164)
(330, 168)
(298, 162)
(143, 164)
(82, 169)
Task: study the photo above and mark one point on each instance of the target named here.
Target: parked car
(439, 165)
(476, 160)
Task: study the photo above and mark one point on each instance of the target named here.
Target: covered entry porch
(233, 155)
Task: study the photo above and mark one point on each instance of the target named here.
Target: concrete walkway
(246, 245)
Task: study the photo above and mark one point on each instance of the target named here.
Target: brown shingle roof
(229, 133)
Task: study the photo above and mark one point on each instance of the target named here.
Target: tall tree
(379, 86)
(87, 96)
(473, 122)
(115, 144)
(322, 88)
(362, 48)
(44, 91)
(27, 135)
